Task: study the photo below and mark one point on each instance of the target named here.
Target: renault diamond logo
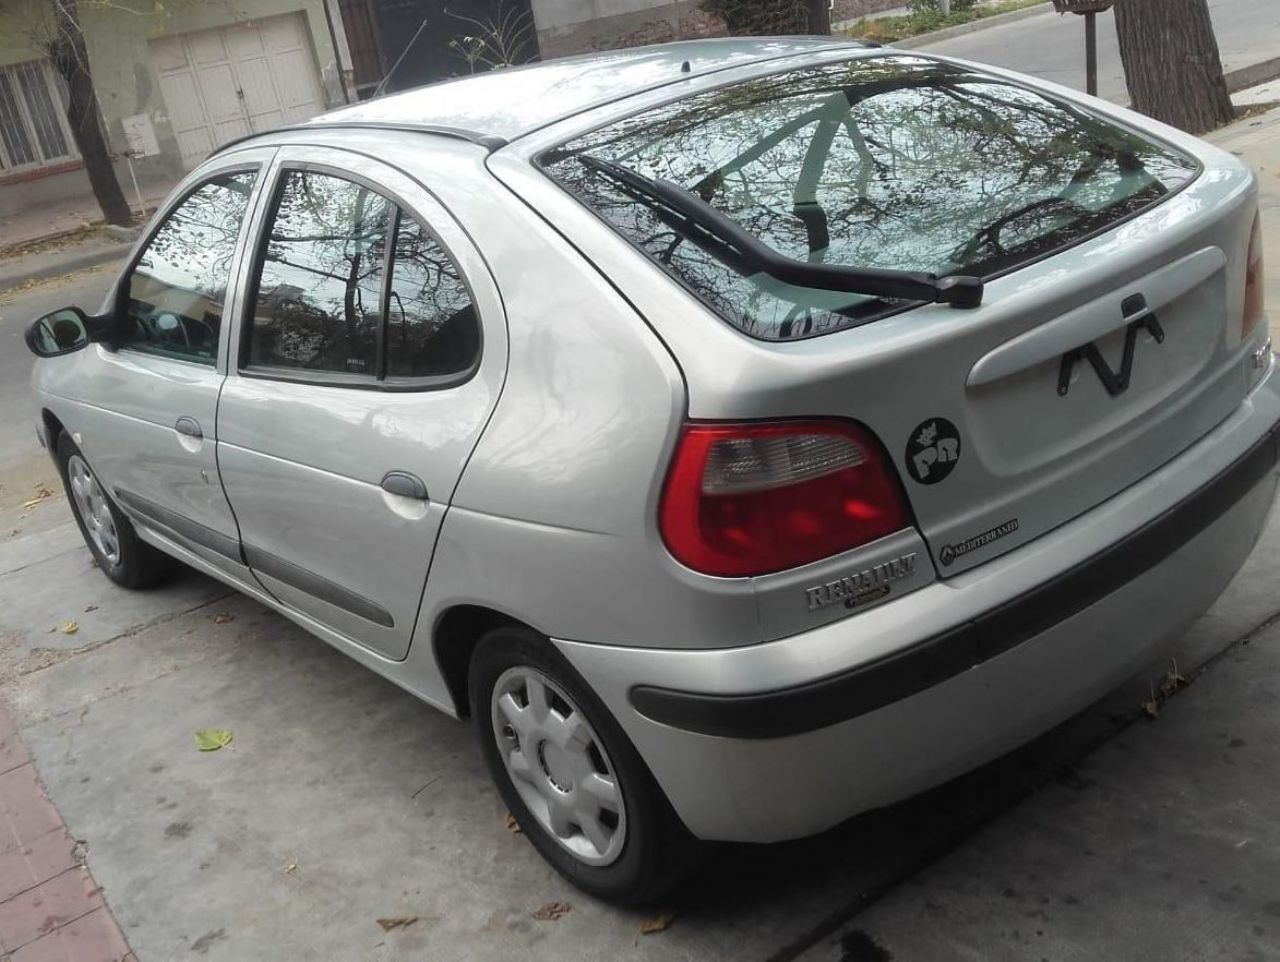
(1116, 382)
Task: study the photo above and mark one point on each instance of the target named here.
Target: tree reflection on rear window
(886, 162)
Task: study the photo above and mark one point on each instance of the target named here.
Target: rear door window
(352, 288)
(884, 162)
(319, 293)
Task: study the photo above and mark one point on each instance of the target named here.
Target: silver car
(745, 433)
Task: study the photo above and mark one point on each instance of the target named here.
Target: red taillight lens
(1253, 280)
(748, 499)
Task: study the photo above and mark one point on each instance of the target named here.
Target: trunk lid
(1108, 338)
(1067, 396)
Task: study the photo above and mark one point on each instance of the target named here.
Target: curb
(66, 265)
(973, 26)
(1246, 77)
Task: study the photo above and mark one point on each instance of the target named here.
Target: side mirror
(62, 332)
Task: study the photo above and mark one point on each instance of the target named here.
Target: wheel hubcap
(91, 505)
(558, 765)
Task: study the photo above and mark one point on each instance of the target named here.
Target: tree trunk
(71, 58)
(819, 17)
(1171, 63)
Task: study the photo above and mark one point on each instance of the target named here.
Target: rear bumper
(785, 739)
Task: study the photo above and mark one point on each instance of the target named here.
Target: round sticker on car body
(933, 450)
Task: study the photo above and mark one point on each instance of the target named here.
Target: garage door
(229, 82)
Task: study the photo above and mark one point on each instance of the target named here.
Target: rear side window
(350, 284)
(178, 287)
(431, 322)
(884, 162)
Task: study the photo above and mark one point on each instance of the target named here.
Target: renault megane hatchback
(744, 433)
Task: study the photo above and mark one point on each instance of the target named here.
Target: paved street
(1052, 47)
(343, 800)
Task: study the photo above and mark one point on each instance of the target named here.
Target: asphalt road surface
(1052, 46)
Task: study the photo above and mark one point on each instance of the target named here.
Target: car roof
(499, 106)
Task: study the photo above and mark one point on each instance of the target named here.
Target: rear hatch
(1109, 338)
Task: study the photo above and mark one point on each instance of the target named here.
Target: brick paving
(50, 908)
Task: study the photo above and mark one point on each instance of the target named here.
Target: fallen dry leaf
(70, 628)
(222, 618)
(1152, 705)
(657, 923)
(1173, 680)
(397, 922)
(551, 911)
(512, 825)
(291, 867)
(211, 739)
(42, 493)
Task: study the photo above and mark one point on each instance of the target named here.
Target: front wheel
(569, 775)
(121, 555)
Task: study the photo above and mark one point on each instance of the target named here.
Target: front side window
(330, 300)
(890, 162)
(177, 290)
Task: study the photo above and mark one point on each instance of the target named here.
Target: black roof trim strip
(489, 142)
(829, 701)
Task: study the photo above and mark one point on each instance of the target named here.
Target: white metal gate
(228, 82)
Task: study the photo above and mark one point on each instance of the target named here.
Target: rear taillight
(748, 499)
(1253, 280)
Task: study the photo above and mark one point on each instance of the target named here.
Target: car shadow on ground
(870, 854)
(334, 766)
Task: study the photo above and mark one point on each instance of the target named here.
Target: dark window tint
(431, 323)
(179, 286)
(319, 296)
(887, 162)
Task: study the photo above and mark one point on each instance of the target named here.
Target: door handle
(189, 427)
(404, 484)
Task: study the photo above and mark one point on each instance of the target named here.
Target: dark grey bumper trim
(838, 698)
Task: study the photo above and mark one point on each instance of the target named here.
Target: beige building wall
(118, 36)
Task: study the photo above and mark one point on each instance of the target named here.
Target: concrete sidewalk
(26, 225)
(1162, 844)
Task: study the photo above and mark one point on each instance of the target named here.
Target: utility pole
(1089, 9)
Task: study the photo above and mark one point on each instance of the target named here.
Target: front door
(360, 391)
(148, 420)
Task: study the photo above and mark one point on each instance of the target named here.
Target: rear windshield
(887, 162)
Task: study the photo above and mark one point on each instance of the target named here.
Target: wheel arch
(52, 429)
(457, 632)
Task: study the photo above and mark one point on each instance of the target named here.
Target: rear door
(368, 360)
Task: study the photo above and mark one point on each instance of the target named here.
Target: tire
(109, 535)
(646, 850)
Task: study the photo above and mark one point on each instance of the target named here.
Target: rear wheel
(122, 556)
(569, 775)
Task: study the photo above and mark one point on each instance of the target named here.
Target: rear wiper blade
(958, 291)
